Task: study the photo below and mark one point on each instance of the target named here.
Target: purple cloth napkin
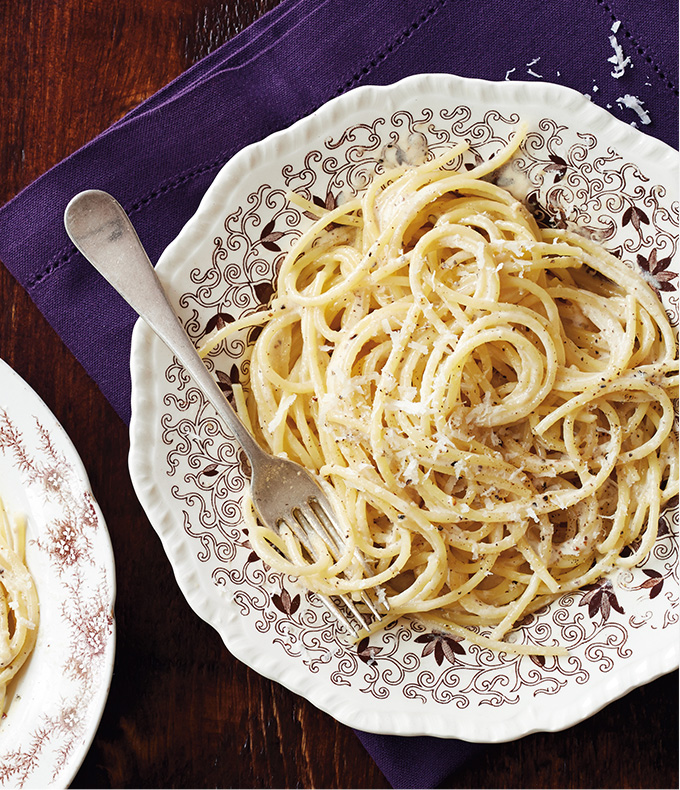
(160, 158)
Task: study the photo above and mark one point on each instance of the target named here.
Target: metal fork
(283, 492)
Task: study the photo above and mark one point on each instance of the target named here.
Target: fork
(283, 492)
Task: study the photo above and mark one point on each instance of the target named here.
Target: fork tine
(338, 613)
(349, 603)
(315, 518)
(369, 603)
(297, 529)
(326, 522)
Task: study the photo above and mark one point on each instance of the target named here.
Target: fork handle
(103, 233)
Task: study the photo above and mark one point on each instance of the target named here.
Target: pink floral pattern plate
(57, 699)
(578, 168)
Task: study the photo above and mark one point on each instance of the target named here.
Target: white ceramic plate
(579, 167)
(57, 698)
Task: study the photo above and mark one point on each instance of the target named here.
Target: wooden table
(182, 711)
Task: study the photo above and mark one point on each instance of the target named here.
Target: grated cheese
(620, 62)
(409, 407)
(531, 71)
(281, 411)
(633, 103)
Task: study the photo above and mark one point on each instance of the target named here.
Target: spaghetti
(488, 403)
(19, 610)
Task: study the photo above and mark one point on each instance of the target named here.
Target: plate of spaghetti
(57, 587)
(455, 302)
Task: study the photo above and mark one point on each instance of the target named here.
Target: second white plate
(56, 700)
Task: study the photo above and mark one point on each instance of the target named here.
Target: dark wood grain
(182, 711)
